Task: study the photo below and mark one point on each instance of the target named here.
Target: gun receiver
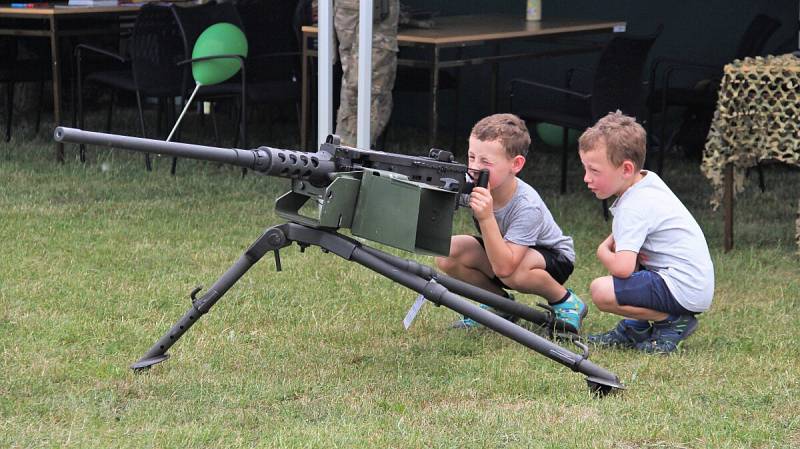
(404, 201)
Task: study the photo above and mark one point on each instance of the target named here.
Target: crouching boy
(520, 246)
(661, 275)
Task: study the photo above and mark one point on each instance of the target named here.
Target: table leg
(727, 204)
(434, 118)
(54, 54)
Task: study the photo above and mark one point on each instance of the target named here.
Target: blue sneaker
(469, 323)
(623, 336)
(571, 312)
(668, 334)
(465, 323)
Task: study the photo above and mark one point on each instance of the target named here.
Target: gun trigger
(277, 260)
(195, 291)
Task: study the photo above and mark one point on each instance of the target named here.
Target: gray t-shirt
(527, 221)
(650, 219)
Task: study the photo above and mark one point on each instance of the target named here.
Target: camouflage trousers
(384, 67)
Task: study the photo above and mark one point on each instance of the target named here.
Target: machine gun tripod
(435, 287)
(352, 186)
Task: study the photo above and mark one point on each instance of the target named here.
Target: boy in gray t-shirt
(652, 230)
(520, 247)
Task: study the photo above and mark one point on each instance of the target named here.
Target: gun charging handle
(483, 179)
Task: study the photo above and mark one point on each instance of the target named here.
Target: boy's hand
(609, 243)
(480, 200)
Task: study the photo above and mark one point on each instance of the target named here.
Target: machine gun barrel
(314, 167)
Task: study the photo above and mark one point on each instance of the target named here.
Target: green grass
(96, 265)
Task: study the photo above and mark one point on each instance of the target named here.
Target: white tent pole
(325, 70)
(364, 74)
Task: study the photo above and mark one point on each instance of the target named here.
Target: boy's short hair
(508, 129)
(624, 138)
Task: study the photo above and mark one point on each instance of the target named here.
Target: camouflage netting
(756, 119)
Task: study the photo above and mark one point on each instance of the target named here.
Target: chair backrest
(756, 35)
(195, 19)
(270, 29)
(155, 49)
(618, 76)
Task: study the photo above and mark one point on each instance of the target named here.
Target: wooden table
(53, 23)
(755, 120)
(473, 31)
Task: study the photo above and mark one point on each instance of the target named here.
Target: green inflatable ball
(218, 39)
(552, 135)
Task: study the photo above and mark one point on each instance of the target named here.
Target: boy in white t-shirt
(653, 232)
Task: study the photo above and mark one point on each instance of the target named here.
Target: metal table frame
(18, 21)
(461, 32)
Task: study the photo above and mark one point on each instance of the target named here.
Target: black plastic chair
(149, 70)
(616, 85)
(274, 61)
(21, 70)
(700, 98)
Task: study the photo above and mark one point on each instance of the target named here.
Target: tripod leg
(544, 318)
(600, 380)
(272, 239)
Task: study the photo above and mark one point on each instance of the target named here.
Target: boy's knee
(443, 263)
(602, 292)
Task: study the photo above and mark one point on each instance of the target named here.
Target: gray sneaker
(623, 336)
(668, 335)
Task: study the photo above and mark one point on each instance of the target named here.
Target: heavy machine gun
(404, 201)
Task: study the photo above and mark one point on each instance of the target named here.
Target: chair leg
(160, 117)
(9, 108)
(147, 163)
(171, 119)
(39, 108)
(564, 155)
(214, 123)
(110, 110)
(238, 134)
(80, 114)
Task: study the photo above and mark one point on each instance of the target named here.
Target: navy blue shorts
(556, 264)
(648, 290)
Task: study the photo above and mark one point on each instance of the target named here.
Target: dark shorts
(556, 264)
(648, 290)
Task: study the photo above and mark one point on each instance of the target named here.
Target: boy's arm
(504, 257)
(619, 264)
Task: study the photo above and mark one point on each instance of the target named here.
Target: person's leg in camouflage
(384, 63)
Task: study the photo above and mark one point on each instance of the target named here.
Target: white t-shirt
(650, 219)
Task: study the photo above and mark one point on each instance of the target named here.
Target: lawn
(98, 260)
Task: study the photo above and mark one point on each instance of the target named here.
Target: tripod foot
(602, 387)
(144, 364)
